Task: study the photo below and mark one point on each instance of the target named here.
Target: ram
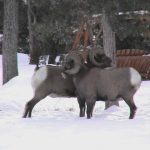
(93, 84)
(49, 79)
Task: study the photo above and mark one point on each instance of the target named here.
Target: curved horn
(97, 57)
(73, 63)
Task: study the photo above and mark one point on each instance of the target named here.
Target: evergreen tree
(57, 19)
(55, 22)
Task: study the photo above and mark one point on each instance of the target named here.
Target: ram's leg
(29, 107)
(132, 106)
(30, 104)
(81, 103)
(90, 107)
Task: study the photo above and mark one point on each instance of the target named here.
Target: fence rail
(130, 52)
(135, 58)
(140, 63)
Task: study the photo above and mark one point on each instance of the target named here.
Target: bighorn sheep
(48, 79)
(45, 81)
(101, 84)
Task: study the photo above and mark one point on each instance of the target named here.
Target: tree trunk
(109, 40)
(35, 51)
(34, 54)
(30, 29)
(10, 41)
(109, 44)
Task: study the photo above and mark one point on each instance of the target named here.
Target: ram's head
(73, 62)
(97, 58)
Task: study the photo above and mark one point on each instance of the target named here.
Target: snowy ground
(55, 123)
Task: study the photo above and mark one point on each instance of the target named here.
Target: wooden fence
(130, 52)
(135, 58)
(140, 63)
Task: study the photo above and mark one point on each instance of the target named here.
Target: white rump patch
(135, 77)
(38, 77)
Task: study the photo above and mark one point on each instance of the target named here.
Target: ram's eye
(98, 57)
(69, 64)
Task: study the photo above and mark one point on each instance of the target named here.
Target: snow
(55, 123)
(139, 12)
(1, 70)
